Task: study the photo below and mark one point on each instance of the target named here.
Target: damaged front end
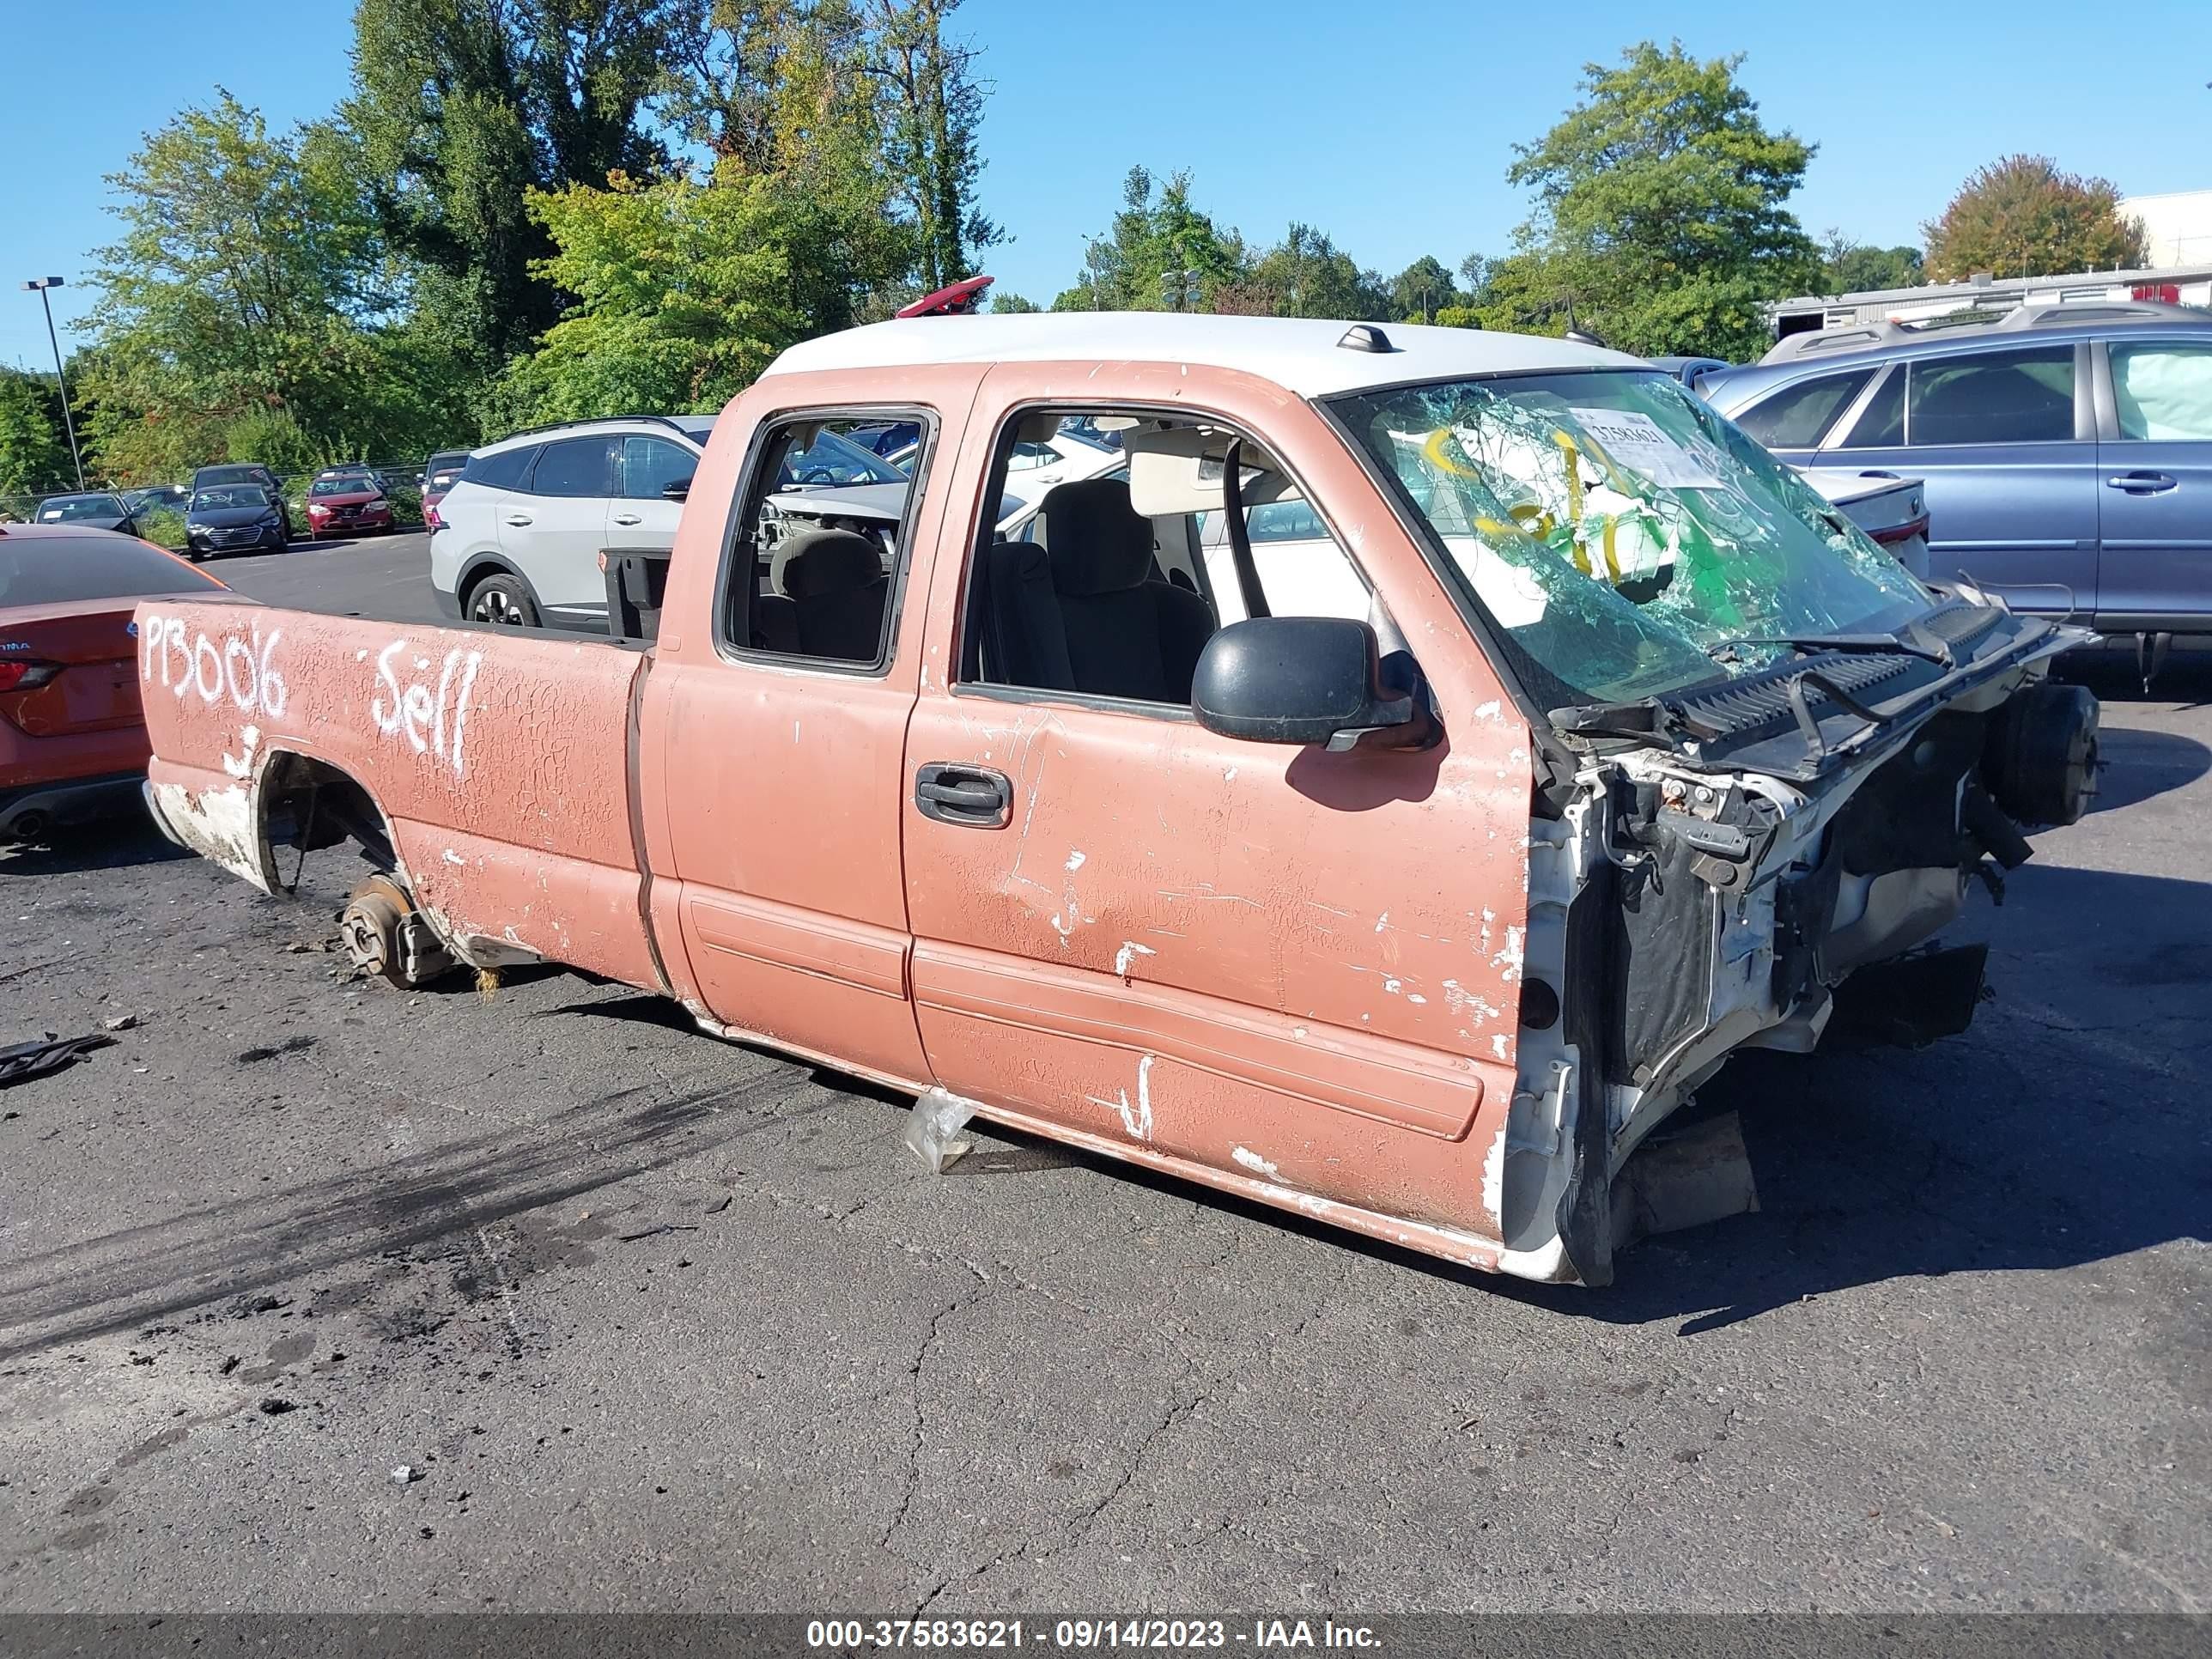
(1759, 864)
(1773, 764)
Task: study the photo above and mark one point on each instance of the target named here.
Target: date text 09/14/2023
(1087, 1634)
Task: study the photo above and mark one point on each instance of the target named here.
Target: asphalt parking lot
(315, 1294)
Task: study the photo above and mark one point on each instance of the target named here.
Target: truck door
(776, 720)
(2154, 494)
(1285, 971)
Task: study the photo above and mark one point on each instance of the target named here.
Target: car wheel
(502, 601)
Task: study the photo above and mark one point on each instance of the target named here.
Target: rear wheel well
(482, 572)
(308, 805)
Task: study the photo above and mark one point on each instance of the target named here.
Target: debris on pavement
(24, 1060)
(655, 1232)
(405, 1475)
(277, 1405)
(933, 1129)
(120, 1023)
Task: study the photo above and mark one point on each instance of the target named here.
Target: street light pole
(69, 421)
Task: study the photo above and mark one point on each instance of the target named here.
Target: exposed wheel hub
(383, 935)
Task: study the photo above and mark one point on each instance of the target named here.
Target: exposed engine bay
(1759, 862)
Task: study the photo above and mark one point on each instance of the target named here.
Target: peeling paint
(1129, 952)
(1075, 861)
(1258, 1165)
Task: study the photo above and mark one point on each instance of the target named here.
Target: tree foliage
(1849, 267)
(249, 286)
(33, 448)
(1158, 229)
(684, 291)
(1659, 218)
(2023, 216)
(1422, 290)
(463, 106)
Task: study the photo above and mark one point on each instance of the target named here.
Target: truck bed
(264, 719)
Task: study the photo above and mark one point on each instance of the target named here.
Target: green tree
(33, 450)
(1659, 218)
(1422, 290)
(1158, 229)
(1307, 275)
(930, 112)
(1849, 267)
(684, 291)
(1006, 304)
(2023, 216)
(462, 106)
(247, 281)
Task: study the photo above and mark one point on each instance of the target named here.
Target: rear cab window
(820, 542)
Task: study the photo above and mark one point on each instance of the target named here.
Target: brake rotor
(369, 929)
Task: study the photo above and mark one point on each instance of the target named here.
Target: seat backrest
(834, 581)
(1128, 636)
(1024, 639)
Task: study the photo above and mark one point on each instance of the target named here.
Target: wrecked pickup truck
(1385, 795)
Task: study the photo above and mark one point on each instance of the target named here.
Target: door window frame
(2085, 414)
(1846, 410)
(985, 527)
(736, 526)
(2105, 392)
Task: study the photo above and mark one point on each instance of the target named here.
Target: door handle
(518, 519)
(973, 796)
(2142, 483)
(626, 518)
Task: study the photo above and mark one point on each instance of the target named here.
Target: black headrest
(1098, 543)
(818, 563)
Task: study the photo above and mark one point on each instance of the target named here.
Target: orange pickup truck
(1385, 793)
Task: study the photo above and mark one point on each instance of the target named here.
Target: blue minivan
(2067, 450)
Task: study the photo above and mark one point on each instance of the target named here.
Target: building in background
(2178, 225)
(2178, 271)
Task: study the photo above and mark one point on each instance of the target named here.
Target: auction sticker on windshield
(1640, 444)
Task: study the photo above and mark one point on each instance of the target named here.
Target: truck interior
(1113, 585)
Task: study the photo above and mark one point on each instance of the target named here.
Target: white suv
(521, 533)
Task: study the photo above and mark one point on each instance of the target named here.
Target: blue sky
(1389, 126)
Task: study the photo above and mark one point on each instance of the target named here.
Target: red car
(439, 473)
(72, 733)
(340, 503)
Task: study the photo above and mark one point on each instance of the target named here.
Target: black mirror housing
(675, 490)
(1304, 680)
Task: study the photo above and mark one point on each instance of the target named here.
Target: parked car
(439, 473)
(885, 438)
(98, 510)
(2067, 450)
(209, 476)
(234, 517)
(347, 503)
(520, 532)
(174, 498)
(1410, 907)
(72, 734)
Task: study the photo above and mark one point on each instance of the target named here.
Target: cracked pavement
(664, 1322)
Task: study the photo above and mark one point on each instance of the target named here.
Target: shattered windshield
(1619, 530)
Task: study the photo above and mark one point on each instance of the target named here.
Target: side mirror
(677, 490)
(1304, 680)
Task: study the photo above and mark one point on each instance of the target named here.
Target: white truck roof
(1298, 353)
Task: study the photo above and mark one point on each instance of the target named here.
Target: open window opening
(1110, 581)
(819, 545)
